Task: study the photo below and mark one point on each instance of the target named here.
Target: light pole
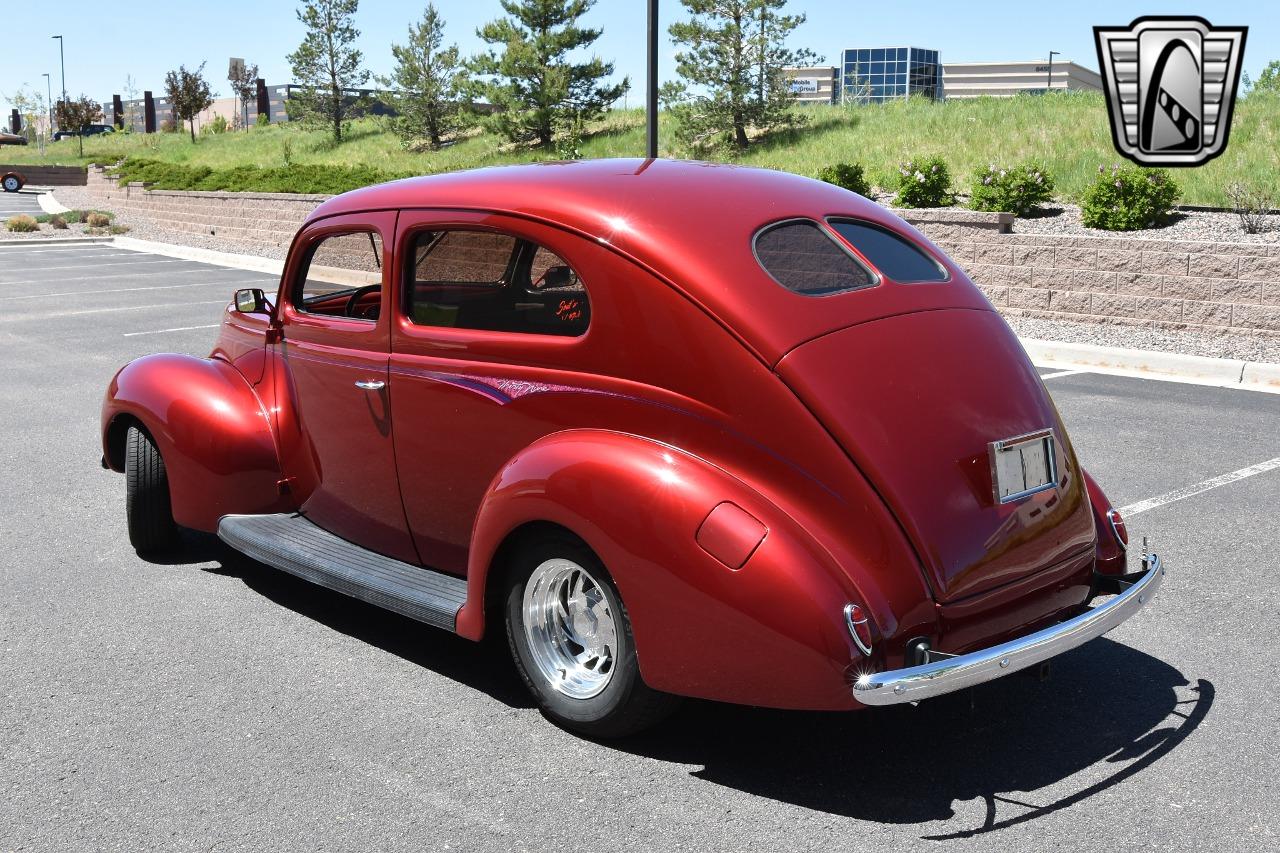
(1049, 84)
(62, 58)
(651, 96)
(48, 89)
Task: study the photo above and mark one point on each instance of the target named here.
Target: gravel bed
(1189, 225)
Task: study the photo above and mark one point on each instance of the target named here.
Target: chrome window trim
(995, 447)
(839, 242)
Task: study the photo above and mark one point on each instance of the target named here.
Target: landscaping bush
(263, 120)
(924, 182)
(1128, 198)
(57, 223)
(1018, 190)
(22, 223)
(97, 220)
(1252, 205)
(847, 175)
(118, 229)
(293, 178)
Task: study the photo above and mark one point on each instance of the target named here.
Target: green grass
(1068, 133)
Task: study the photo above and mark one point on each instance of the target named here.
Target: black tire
(12, 183)
(626, 705)
(150, 515)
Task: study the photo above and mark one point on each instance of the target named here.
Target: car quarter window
(490, 281)
(894, 256)
(342, 276)
(802, 257)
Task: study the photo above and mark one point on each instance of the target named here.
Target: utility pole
(651, 149)
(1052, 54)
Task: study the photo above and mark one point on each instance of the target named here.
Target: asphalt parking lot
(215, 704)
(11, 204)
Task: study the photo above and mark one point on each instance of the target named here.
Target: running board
(293, 544)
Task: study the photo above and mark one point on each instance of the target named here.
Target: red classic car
(12, 181)
(679, 429)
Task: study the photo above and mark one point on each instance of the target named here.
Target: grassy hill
(1067, 133)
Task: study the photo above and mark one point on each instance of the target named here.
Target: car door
(490, 333)
(335, 421)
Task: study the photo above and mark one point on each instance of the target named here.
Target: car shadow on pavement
(481, 666)
(1108, 713)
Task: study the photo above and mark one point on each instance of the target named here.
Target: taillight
(1118, 528)
(859, 626)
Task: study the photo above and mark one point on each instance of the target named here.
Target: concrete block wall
(1161, 283)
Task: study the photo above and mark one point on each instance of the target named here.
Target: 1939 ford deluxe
(679, 429)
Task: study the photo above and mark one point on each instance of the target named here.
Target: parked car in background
(90, 130)
(7, 138)
(675, 429)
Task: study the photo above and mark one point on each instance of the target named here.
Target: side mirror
(557, 276)
(251, 300)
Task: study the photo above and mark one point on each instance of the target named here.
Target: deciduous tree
(75, 115)
(326, 64)
(428, 80)
(528, 76)
(245, 87)
(189, 94)
(731, 61)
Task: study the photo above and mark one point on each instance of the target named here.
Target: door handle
(370, 384)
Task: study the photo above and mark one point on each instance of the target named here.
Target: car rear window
(802, 257)
(893, 256)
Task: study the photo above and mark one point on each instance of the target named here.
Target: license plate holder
(1023, 465)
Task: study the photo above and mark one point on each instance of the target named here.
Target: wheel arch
(770, 632)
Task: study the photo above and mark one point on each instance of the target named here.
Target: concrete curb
(49, 204)
(253, 263)
(1148, 364)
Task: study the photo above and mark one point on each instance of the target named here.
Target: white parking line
(1061, 373)
(134, 289)
(162, 331)
(104, 266)
(77, 250)
(203, 271)
(1198, 488)
(17, 318)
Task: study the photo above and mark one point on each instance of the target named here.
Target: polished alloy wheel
(572, 636)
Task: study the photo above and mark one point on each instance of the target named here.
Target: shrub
(218, 125)
(1252, 205)
(1014, 190)
(97, 220)
(22, 223)
(924, 182)
(847, 175)
(263, 120)
(1128, 198)
(74, 216)
(57, 223)
(294, 178)
(118, 229)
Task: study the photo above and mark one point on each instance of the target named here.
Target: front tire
(147, 507)
(571, 639)
(12, 183)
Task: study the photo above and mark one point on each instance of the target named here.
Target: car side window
(342, 276)
(485, 280)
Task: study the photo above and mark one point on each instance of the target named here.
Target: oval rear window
(893, 256)
(803, 258)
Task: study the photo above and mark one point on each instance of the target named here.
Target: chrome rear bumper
(945, 676)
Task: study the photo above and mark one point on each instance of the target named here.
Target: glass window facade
(879, 74)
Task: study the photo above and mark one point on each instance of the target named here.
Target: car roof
(690, 222)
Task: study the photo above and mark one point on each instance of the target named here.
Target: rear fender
(769, 633)
(212, 431)
(1110, 556)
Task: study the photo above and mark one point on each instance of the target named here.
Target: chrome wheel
(572, 635)
(11, 184)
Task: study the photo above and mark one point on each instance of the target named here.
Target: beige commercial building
(815, 84)
(1002, 79)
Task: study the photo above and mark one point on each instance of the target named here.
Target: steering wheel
(353, 304)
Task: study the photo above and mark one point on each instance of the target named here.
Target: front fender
(769, 633)
(212, 431)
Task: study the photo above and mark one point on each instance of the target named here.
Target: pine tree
(326, 64)
(429, 79)
(533, 86)
(731, 64)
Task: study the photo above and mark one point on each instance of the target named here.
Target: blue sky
(160, 35)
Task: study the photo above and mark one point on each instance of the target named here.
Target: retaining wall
(50, 176)
(1162, 283)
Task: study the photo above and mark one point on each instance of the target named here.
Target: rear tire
(12, 183)
(147, 507)
(571, 639)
